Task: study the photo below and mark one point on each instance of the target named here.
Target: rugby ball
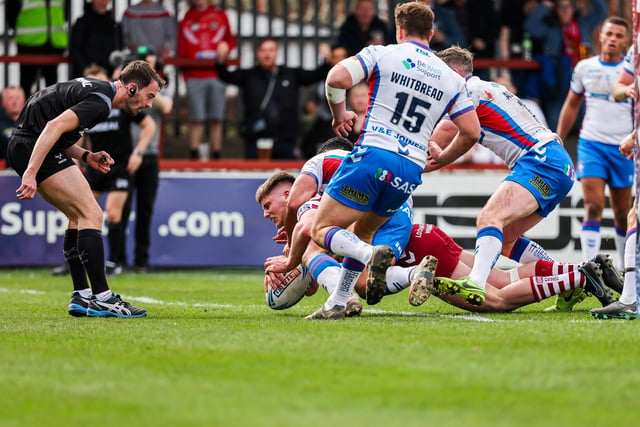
(296, 284)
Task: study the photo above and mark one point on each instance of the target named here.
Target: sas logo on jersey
(383, 175)
(569, 171)
(396, 182)
(408, 64)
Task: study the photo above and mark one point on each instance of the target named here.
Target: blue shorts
(374, 180)
(599, 160)
(547, 173)
(396, 231)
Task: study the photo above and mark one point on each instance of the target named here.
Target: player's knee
(317, 235)
(487, 217)
(593, 210)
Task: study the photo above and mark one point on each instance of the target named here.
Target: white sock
(85, 293)
(532, 252)
(488, 248)
(104, 295)
(329, 278)
(398, 278)
(514, 276)
(590, 239)
(628, 295)
(345, 243)
(621, 248)
(349, 274)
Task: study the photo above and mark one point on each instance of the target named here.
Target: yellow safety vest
(38, 22)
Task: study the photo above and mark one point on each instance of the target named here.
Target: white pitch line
(149, 300)
(472, 317)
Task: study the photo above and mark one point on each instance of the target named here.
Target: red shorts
(428, 239)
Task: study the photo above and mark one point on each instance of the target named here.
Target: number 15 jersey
(410, 90)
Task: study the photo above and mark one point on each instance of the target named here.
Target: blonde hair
(457, 57)
(271, 183)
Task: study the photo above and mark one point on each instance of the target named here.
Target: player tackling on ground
(411, 89)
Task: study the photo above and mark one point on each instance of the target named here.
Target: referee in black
(41, 152)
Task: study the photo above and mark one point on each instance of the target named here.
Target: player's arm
(568, 114)
(628, 144)
(299, 242)
(304, 188)
(342, 76)
(53, 130)
(163, 103)
(444, 133)
(625, 87)
(147, 129)
(467, 135)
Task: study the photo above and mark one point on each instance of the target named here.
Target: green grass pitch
(211, 353)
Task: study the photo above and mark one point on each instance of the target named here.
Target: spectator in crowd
(446, 31)
(478, 20)
(562, 31)
(40, 28)
(317, 106)
(200, 32)
(512, 16)
(358, 99)
(13, 100)
(362, 28)
(146, 178)
(94, 36)
(149, 24)
(270, 98)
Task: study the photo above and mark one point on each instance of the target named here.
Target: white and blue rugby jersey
(322, 166)
(605, 120)
(411, 89)
(509, 129)
(627, 64)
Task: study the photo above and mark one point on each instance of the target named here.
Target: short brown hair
(142, 74)
(94, 70)
(415, 18)
(617, 20)
(457, 57)
(271, 183)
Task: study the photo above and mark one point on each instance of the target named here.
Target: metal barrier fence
(299, 26)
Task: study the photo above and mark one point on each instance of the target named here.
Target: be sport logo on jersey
(422, 67)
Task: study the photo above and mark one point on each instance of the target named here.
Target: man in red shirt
(201, 30)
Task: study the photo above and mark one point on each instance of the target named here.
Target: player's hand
(627, 146)
(274, 281)
(100, 161)
(281, 236)
(434, 151)
(135, 160)
(277, 264)
(630, 91)
(343, 125)
(28, 187)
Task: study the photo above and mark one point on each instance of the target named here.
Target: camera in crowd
(121, 58)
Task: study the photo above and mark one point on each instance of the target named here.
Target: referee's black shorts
(19, 152)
